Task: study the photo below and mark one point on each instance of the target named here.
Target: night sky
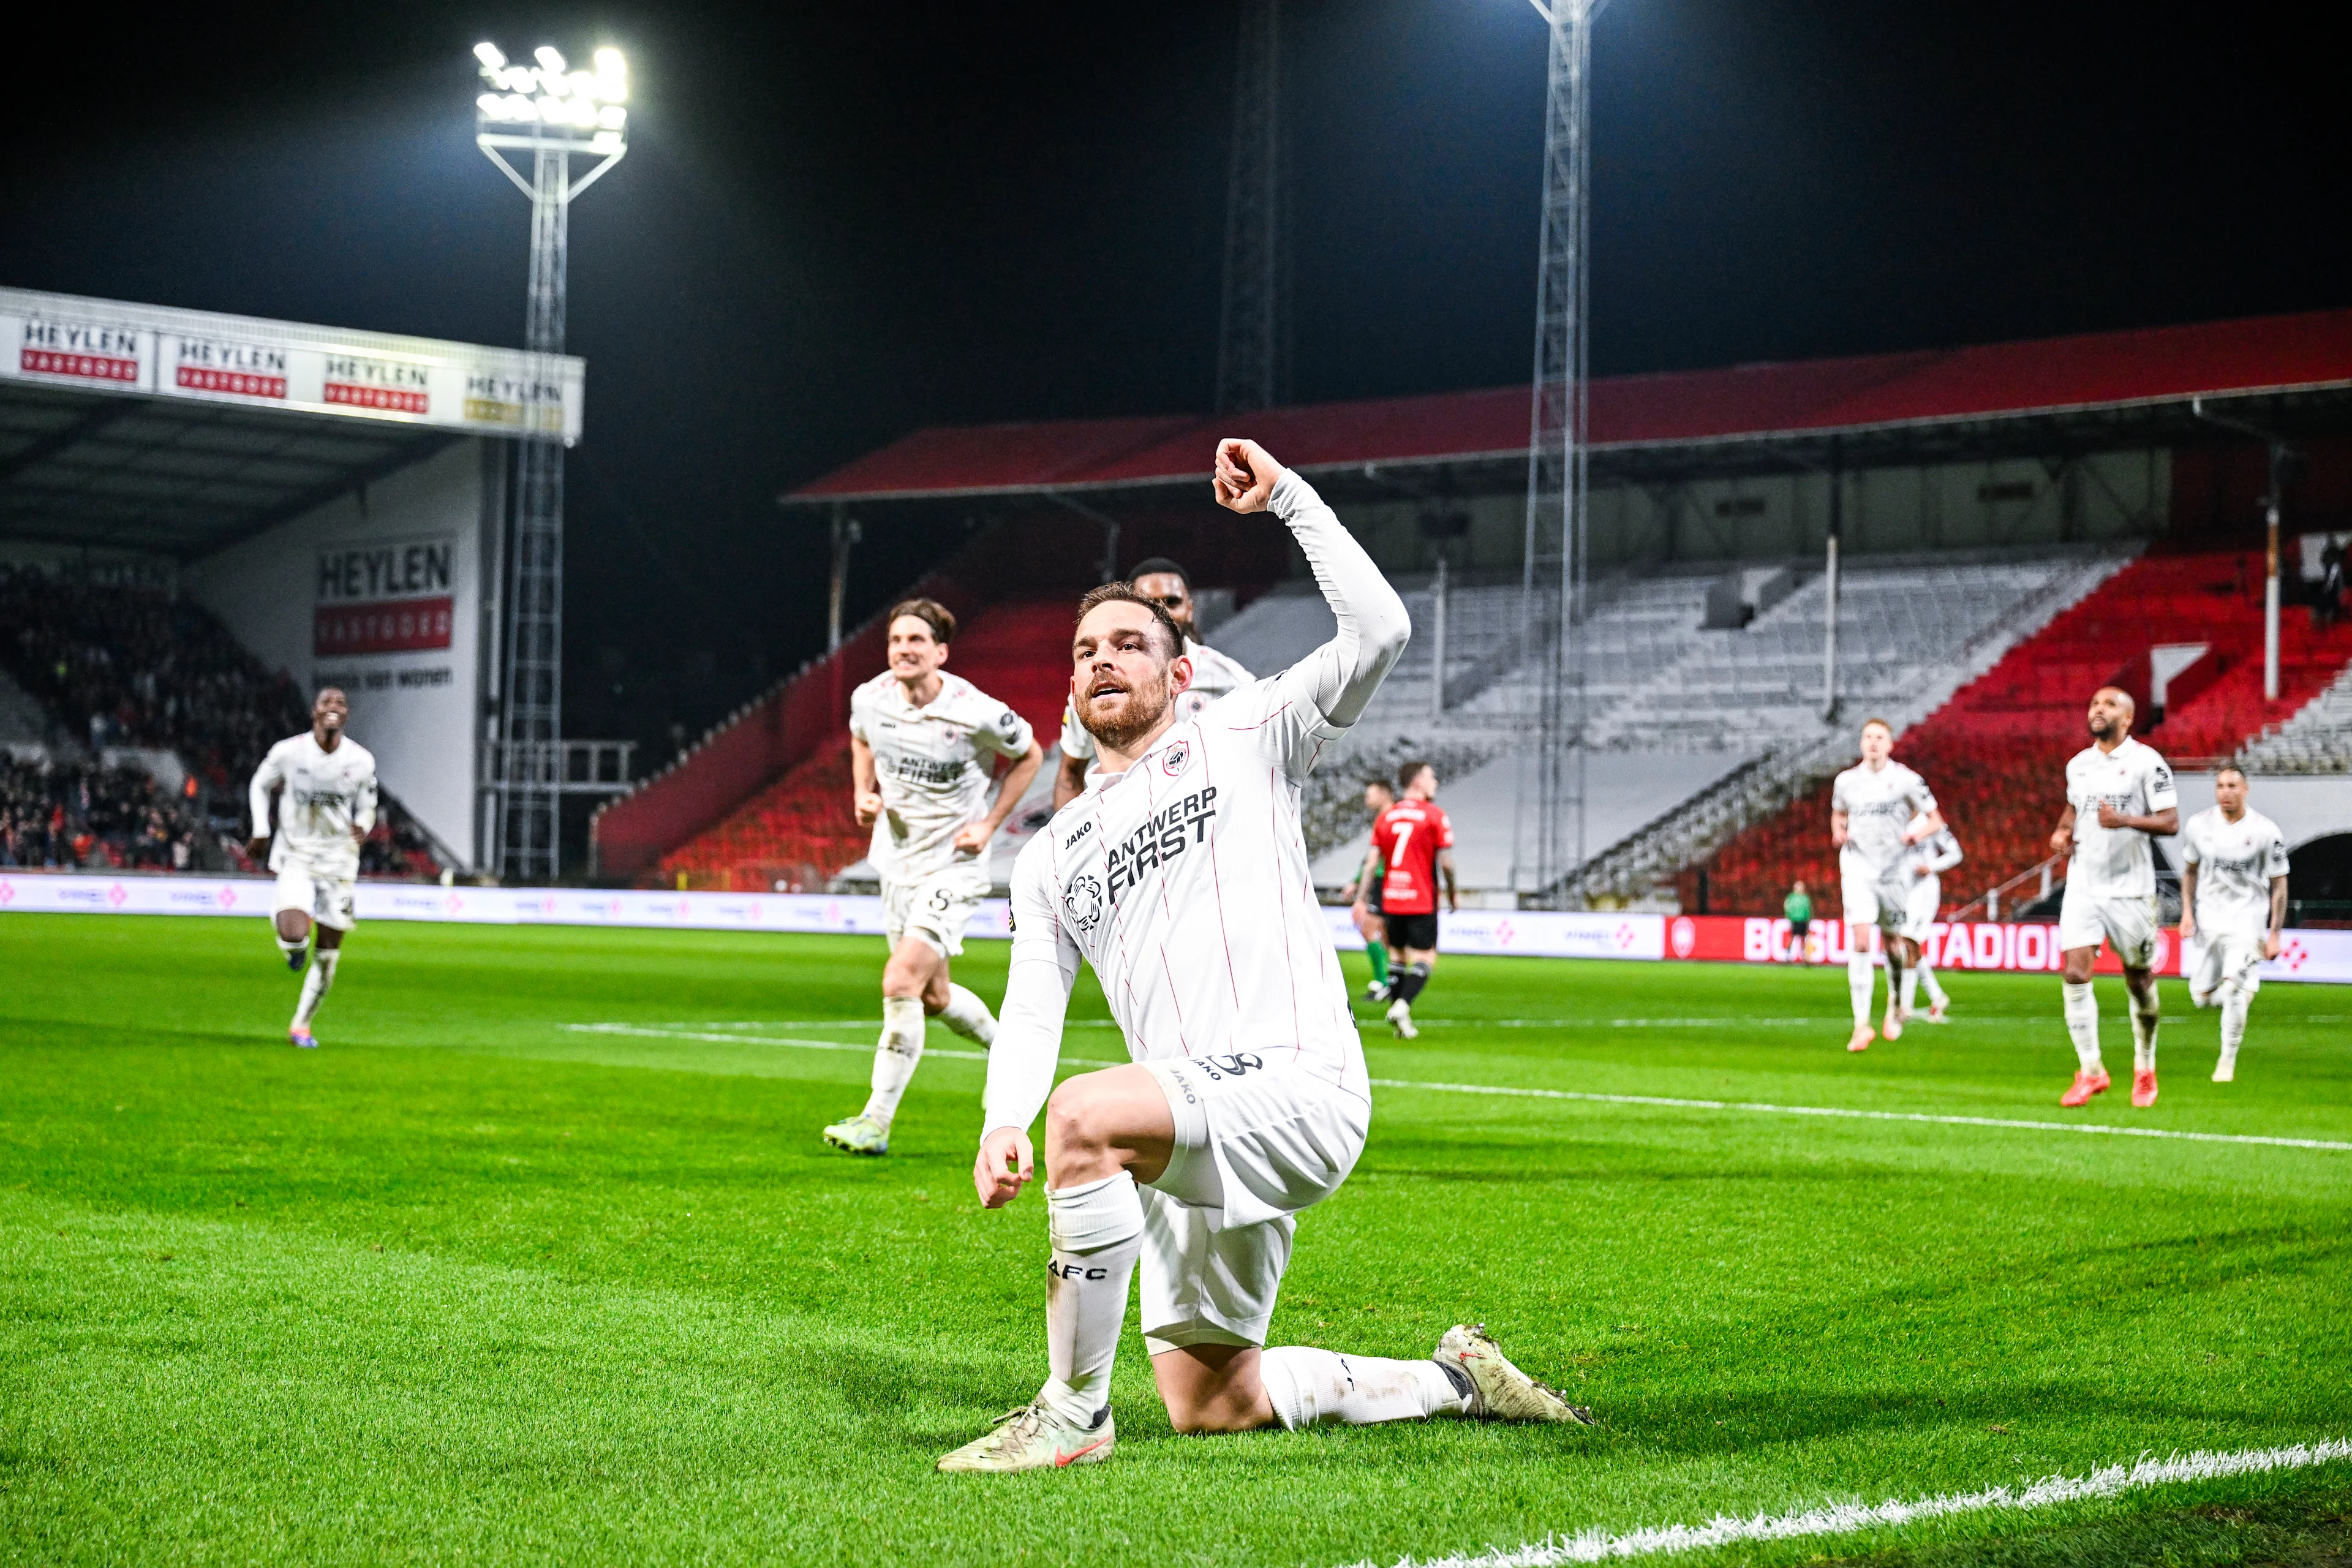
(838, 223)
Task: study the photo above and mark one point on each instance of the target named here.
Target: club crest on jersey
(1172, 760)
(1083, 903)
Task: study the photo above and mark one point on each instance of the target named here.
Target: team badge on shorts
(1172, 760)
(1083, 903)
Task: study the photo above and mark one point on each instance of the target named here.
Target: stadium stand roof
(2086, 391)
(142, 427)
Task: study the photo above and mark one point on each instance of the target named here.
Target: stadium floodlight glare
(548, 107)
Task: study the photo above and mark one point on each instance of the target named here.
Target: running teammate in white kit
(2232, 907)
(324, 815)
(1182, 876)
(1878, 809)
(923, 744)
(2119, 799)
(1934, 851)
(1213, 674)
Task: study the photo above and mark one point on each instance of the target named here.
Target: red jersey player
(1417, 842)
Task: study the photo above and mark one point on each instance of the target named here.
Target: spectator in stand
(2330, 603)
(57, 817)
(1799, 906)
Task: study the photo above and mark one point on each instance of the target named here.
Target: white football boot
(1400, 1019)
(2226, 1069)
(861, 1134)
(1499, 1391)
(1033, 1439)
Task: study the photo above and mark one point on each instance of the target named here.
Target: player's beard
(1146, 705)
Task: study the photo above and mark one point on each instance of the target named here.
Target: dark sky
(837, 222)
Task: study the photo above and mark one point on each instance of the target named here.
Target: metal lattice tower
(555, 115)
(528, 816)
(1249, 340)
(1549, 827)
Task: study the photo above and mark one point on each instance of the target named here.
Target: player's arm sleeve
(1947, 858)
(2162, 795)
(1324, 693)
(364, 806)
(267, 777)
(1045, 965)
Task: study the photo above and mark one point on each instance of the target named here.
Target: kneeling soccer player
(324, 816)
(1180, 874)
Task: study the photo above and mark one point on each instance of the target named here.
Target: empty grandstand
(2182, 632)
(1981, 492)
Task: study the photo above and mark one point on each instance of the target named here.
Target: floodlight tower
(1548, 824)
(1249, 343)
(555, 115)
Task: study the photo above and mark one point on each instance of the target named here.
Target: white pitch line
(1587, 1097)
(1766, 1108)
(1848, 1517)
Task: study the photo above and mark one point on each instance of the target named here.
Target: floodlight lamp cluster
(549, 93)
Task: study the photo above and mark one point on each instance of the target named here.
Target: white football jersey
(1878, 804)
(2235, 862)
(933, 765)
(2115, 862)
(1184, 880)
(328, 796)
(1937, 853)
(1213, 675)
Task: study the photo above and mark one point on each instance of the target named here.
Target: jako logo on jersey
(1161, 839)
(1083, 903)
(1221, 1068)
(1172, 760)
(1084, 828)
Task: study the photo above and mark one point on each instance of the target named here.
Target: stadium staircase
(1995, 751)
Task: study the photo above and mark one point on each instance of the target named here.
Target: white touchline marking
(1848, 1517)
(1765, 1108)
(1587, 1097)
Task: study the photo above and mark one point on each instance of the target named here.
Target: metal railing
(564, 767)
(1991, 899)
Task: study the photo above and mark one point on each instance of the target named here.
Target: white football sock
(1910, 987)
(968, 1015)
(2142, 1023)
(894, 1057)
(2234, 1006)
(315, 985)
(1935, 997)
(1307, 1386)
(2083, 1023)
(1859, 981)
(1097, 1231)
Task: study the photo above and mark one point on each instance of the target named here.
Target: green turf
(473, 1283)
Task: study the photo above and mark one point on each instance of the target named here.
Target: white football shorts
(1255, 1143)
(1872, 897)
(2129, 923)
(2222, 955)
(1920, 902)
(936, 909)
(327, 899)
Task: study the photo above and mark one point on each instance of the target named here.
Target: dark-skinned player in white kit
(1181, 873)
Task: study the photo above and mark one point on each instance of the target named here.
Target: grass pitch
(540, 1259)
